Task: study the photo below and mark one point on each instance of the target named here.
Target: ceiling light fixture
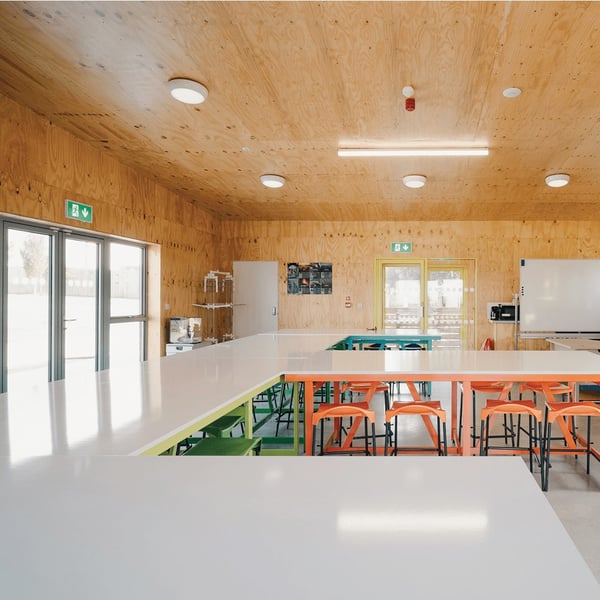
(272, 181)
(557, 180)
(187, 90)
(390, 152)
(414, 181)
(511, 92)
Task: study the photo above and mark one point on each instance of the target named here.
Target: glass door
(27, 308)
(71, 303)
(446, 306)
(403, 295)
(436, 295)
(81, 299)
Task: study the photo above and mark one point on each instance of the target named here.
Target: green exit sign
(405, 247)
(78, 211)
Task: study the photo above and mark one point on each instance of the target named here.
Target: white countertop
(452, 365)
(148, 405)
(127, 411)
(575, 344)
(343, 333)
(336, 527)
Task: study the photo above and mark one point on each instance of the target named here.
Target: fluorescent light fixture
(187, 91)
(383, 152)
(414, 181)
(425, 521)
(557, 180)
(272, 181)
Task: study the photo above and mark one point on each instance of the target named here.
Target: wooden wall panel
(41, 165)
(353, 247)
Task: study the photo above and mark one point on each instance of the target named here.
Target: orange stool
(357, 410)
(363, 387)
(369, 390)
(426, 409)
(559, 413)
(513, 407)
(555, 387)
(483, 387)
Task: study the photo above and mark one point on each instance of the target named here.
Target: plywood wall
(352, 247)
(41, 165)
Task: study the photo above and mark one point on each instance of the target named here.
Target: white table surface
(273, 527)
(146, 406)
(451, 365)
(575, 344)
(343, 333)
(443, 365)
(129, 411)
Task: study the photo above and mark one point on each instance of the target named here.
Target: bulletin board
(309, 278)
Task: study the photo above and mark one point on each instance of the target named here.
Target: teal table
(388, 341)
(385, 341)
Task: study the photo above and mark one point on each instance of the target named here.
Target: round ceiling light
(557, 180)
(414, 181)
(187, 91)
(511, 92)
(272, 181)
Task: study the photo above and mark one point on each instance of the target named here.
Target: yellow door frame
(468, 267)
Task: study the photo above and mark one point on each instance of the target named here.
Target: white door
(255, 297)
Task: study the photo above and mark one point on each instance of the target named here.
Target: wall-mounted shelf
(218, 292)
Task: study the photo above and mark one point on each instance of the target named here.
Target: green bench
(225, 446)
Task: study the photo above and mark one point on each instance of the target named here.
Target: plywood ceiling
(289, 82)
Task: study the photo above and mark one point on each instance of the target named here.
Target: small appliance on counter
(185, 330)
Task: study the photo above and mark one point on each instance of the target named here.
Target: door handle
(274, 311)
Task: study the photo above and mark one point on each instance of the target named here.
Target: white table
(177, 527)
(148, 407)
(443, 365)
(575, 344)
(144, 409)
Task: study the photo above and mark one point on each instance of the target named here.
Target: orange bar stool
(427, 409)
(565, 390)
(484, 387)
(367, 389)
(363, 387)
(562, 413)
(526, 408)
(355, 410)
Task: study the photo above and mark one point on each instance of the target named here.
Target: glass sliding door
(81, 300)
(27, 310)
(71, 303)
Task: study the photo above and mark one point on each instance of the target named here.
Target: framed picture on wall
(309, 278)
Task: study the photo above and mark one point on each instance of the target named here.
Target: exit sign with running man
(405, 247)
(78, 211)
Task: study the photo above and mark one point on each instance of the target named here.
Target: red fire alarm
(408, 91)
